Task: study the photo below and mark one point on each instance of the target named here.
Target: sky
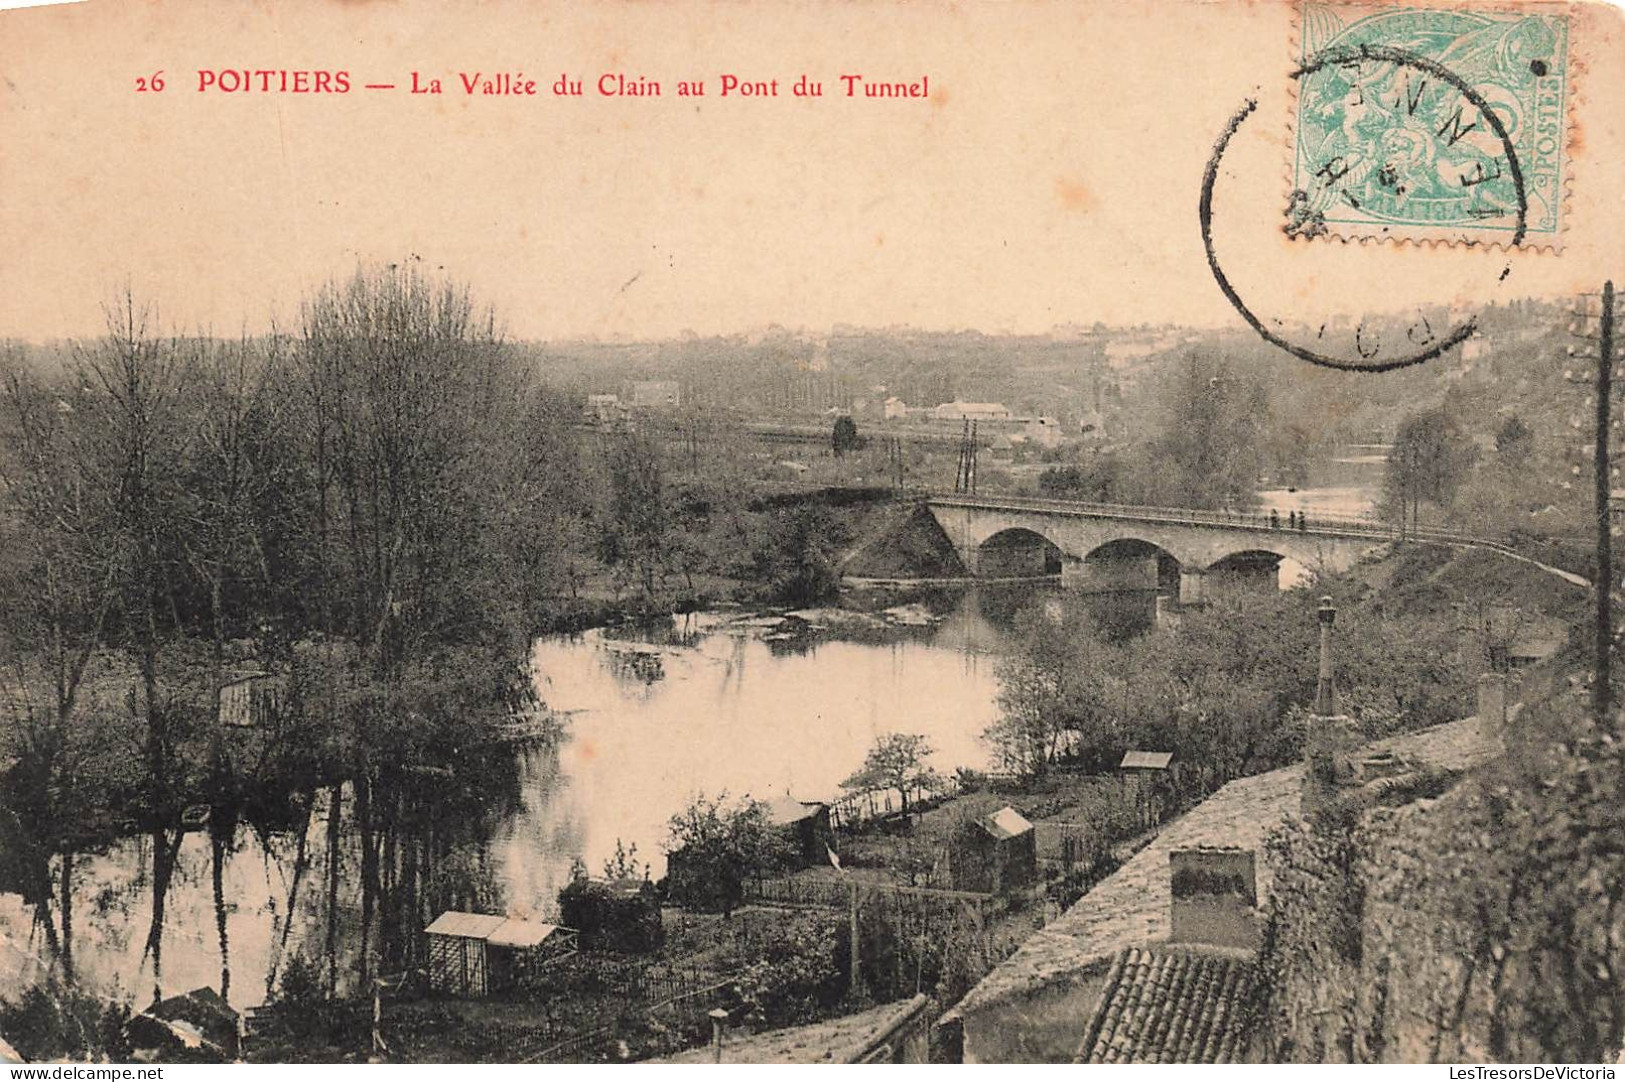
(1051, 176)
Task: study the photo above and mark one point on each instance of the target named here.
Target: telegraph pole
(1602, 690)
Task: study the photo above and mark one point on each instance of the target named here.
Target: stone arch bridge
(1116, 547)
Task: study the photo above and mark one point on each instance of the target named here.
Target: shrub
(795, 975)
(621, 915)
(53, 1022)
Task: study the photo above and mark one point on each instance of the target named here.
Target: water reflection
(759, 706)
(346, 876)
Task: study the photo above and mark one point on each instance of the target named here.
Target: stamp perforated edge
(1576, 68)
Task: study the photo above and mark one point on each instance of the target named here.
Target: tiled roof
(1146, 760)
(1172, 1007)
(1130, 907)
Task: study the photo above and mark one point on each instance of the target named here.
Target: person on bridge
(1275, 519)
(1303, 523)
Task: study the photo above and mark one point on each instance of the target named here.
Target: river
(709, 703)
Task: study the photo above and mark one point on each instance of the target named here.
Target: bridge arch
(1131, 563)
(1017, 551)
(1249, 569)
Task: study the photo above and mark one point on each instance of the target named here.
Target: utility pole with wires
(1593, 326)
(965, 480)
(894, 464)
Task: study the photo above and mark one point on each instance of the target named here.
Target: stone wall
(1312, 946)
(1485, 923)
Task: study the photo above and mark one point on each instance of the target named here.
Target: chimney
(1332, 737)
(1492, 704)
(1214, 893)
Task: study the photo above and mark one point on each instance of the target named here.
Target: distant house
(474, 954)
(196, 1027)
(1091, 424)
(603, 409)
(971, 411)
(995, 854)
(1042, 431)
(896, 409)
(806, 827)
(656, 394)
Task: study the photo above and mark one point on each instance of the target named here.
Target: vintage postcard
(1061, 531)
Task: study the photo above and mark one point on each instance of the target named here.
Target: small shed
(806, 827)
(474, 954)
(995, 854)
(1146, 763)
(253, 701)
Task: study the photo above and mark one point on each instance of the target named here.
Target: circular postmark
(1387, 174)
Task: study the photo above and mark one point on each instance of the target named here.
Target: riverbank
(692, 702)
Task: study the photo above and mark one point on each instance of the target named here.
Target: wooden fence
(686, 1002)
(806, 892)
(856, 810)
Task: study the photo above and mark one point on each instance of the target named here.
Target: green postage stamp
(1431, 123)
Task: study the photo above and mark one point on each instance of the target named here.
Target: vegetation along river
(709, 702)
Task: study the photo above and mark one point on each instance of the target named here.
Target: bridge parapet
(1196, 539)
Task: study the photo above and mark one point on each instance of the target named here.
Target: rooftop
(1130, 907)
(840, 1040)
(498, 931)
(1004, 823)
(1172, 1006)
(787, 809)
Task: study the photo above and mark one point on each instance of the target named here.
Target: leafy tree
(1515, 441)
(624, 864)
(1101, 477)
(714, 845)
(1065, 483)
(618, 913)
(302, 996)
(1294, 448)
(1429, 460)
(792, 973)
(794, 554)
(1211, 442)
(637, 525)
(896, 761)
(845, 435)
(49, 1022)
(1217, 691)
